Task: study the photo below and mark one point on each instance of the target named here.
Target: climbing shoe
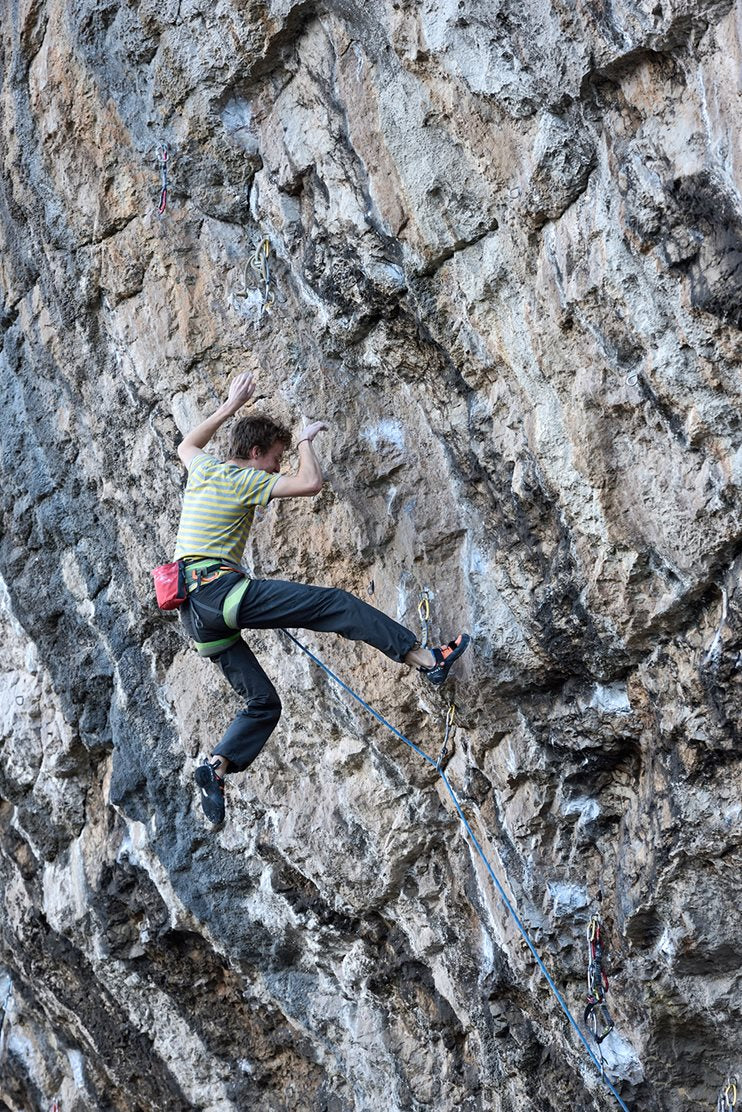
(211, 788)
(445, 656)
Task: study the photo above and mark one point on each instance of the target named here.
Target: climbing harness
(423, 609)
(501, 891)
(727, 1101)
(259, 261)
(597, 1017)
(450, 719)
(163, 170)
(200, 572)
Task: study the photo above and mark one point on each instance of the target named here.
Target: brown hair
(255, 432)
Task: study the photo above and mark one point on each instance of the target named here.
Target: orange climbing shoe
(445, 657)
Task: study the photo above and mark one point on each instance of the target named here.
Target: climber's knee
(267, 708)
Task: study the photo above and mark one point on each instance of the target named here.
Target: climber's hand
(241, 390)
(311, 431)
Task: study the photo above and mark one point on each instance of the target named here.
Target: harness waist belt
(199, 572)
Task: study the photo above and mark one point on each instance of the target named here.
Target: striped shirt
(218, 508)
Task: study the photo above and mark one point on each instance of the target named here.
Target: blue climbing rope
(478, 848)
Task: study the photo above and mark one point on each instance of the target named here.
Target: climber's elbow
(297, 486)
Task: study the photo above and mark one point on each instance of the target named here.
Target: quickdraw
(164, 190)
(259, 261)
(727, 1101)
(450, 719)
(597, 1017)
(423, 610)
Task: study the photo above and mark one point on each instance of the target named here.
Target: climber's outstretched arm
(308, 479)
(240, 392)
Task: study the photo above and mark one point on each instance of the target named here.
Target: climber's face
(269, 461)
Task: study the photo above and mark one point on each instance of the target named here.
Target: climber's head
(258, 442)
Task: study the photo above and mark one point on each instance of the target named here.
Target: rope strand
(477, 847)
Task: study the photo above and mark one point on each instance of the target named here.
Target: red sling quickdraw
(597, 1016)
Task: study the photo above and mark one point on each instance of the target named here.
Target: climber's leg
(253, 725)
(274, 603)
(248, 732)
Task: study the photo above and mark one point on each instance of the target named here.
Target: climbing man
(218, 509)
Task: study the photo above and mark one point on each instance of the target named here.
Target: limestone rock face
(505, 248)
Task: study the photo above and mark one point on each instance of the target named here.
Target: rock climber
(218, 509)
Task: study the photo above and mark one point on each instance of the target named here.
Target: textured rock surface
(507, 260)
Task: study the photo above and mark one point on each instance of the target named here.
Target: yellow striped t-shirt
(218, 508)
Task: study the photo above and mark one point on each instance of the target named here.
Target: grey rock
(505, 253)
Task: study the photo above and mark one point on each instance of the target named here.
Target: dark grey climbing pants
(273, 604)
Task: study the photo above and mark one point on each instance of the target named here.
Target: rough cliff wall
(506, 247)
